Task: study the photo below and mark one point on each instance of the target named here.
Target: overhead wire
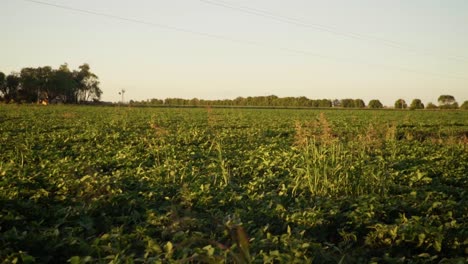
(253, 43)
(328, 29)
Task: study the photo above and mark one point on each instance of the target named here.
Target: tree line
(445, 102)
(261, 101)
(62, 85)
(48, 85)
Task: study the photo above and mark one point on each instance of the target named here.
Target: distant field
(147, 185)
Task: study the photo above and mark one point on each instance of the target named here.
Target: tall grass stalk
(335, 169)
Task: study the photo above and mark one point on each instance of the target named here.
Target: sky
(222, 49)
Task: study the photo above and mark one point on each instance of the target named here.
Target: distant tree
(416, 104)
(400, 104)
(359, 103)
(48, 87)
(11, 87)
(431, 106)
(446, 99)
(453, 106)
(464, 106)
(156, 101)
(447, 102)
(336, 103)
(272, 100)
(87, 84)
(325, 103)
(2, 83)
(46, 83)
(347, 103)
(375, 104)
(239, 101)
(195, 101)
(66, 85)
(30, 85)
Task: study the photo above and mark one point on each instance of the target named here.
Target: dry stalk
(319, 131)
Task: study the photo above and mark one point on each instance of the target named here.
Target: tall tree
(347, 103)
(12, 84)
(64, 85)
(45, 83)
(359, 103)
(375, 104)
(88, 84)
(325, 103)
(416, 104)
(45, 76)
(29, 88)
(447, 102)
(2, 83)
(336, 103)
(400, 104)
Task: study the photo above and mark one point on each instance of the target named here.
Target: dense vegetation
(271, 101)
(115, 185)
(445, 102)
(263, 101)
(44, 84)
(47, 85)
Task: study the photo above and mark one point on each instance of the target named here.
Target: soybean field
(88, 184)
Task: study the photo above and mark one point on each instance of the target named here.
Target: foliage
(262, 101)
(10, 90)
(401, 104)
(352, 103)
(431, 106)
(416, 104)
(88, 84)
(359, 103)
(257, 101)
(44, 84)
(464, 106)
(446, 99)
(447, 102)
(206, 185)
(375, 104)
(2, 81)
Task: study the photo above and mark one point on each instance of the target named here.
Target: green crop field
(86, 184)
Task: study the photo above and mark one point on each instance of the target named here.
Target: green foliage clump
(447, 102)
(45, 85)
(400, 104)
(416, 104)
(431, 106)
(375, 104)
(464, 106)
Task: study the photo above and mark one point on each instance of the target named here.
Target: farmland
(148, 185)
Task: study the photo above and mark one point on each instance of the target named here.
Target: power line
(253, 43)
(325, 28)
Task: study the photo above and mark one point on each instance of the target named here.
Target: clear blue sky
(428, 55)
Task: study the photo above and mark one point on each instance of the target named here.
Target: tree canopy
(400, 104)
(376, 104)
(45, 84)
(261, 101)
(447, 102)
(431, 106)
(416, 104)
(464, 106)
